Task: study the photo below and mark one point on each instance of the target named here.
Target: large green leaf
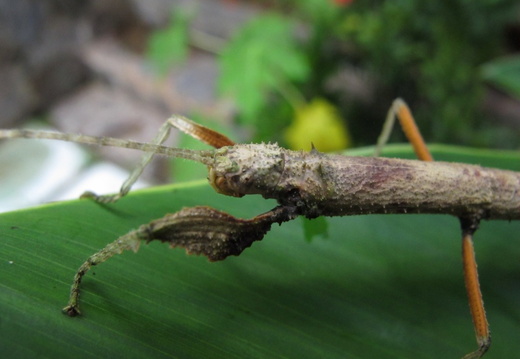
(377, 287)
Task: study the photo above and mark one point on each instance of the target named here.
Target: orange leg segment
(202, 133)
(469, 225)
(411, 131)
(400, 110)
(476, 304)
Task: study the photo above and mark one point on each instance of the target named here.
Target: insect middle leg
(401, 110)
(187, 126)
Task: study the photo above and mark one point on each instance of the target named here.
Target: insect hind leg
(476, 304)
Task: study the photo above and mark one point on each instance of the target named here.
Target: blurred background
(294, 72)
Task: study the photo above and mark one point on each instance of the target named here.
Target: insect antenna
(201, 156)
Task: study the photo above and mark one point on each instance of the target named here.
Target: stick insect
(309, 184)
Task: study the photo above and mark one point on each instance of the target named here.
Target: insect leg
(193, 129)
(469, 225)
(476, 304)
(129, 241)
(400, 110)
(201, 133)
(200, 230)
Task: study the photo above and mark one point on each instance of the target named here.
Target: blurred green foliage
(169, 45)
(438, 56)
(430, 53)
(505, 74)
(261, 59)
(304, 27)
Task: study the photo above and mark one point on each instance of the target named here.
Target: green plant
(505, 74)
(170, 45)
(430, 53)
(263, 58)
(277, 77)
(266, 69)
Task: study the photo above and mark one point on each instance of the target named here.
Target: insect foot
(71, 311)
(200, 230)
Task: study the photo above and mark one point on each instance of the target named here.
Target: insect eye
(224, 185)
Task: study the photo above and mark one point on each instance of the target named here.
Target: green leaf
(385, 286)
(315, 227)
(320, 11)
(170, 45)
(504, 73)
(262, 57)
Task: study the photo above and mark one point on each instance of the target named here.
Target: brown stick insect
(310, 184)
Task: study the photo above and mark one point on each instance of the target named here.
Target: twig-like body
(333, 185)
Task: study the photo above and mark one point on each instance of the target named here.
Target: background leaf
(504, 73)
(378, 287)
(262, 58)
(170, 45)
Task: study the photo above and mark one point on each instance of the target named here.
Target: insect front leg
(200, 230)
(189, 127)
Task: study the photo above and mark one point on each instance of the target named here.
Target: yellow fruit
(317, 123)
